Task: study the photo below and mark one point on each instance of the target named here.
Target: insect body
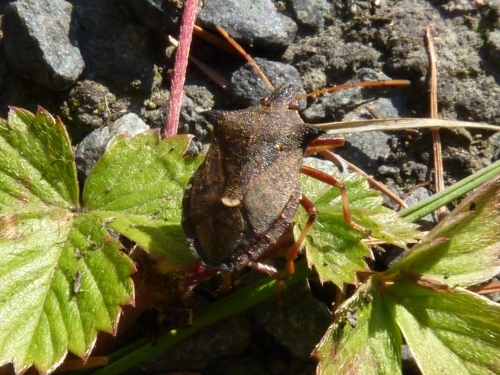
(244, 196)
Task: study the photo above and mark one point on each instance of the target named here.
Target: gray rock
(494, 48)
(328, 59)
(409, 364)
(192, 121)
(227, 338)
(494, 140)
(158, 15)
(325, 166)
(465, 88)
(415, 170)
(364, 149)
(93, 146)
(130, 124)
(249, 88)
(40, 42)
(195, 101)
(294, 313)
(114, 45)
(255, 22)
(310, 12)
(495, 297)
(263, 359)
(88, 105)
(388, 170)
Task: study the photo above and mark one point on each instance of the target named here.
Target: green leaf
(37, 165)
(337, 255)
(62, 277)
(464, 248)
(335, 248)
(163, 239)
(453, 332)
(60, 283)
(451, 193)
(362, 340)
(136, 188)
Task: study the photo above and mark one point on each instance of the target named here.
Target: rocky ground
(92, 62)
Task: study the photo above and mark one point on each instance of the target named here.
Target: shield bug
(244, 196)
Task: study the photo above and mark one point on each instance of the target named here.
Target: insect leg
(312, 211)
(324, 142)
(330, 180)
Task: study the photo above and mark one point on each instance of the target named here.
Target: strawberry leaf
(63, 277)
(448, 332)
(362, 340)
(334, 247)
(136, 188)
(464, 248)
(37, 162)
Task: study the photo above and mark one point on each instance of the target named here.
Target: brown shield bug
(244, 196)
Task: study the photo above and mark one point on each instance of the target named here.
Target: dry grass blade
(221, 43)
(490, 288)
(436, 138)
(211, 73)
(373, 183)
(392, 124)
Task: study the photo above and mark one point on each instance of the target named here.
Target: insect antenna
(240, 49)
(390, 82)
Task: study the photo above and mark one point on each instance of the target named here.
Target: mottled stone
(255, 22)
(40, 42)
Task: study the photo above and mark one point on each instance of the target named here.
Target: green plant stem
(234, 303)
(456, 191)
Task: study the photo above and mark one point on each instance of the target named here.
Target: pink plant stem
(181, 61)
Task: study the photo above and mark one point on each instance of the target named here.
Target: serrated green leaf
(62, 277)
(137, 189)
(451, 332)
(337, 255)
(334, 248)
(464, 248)
(362, 340)
(37, 162)
(163, 238)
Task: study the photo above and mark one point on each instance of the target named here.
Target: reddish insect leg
(324, 142)
(294, 250)
(330, 180)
